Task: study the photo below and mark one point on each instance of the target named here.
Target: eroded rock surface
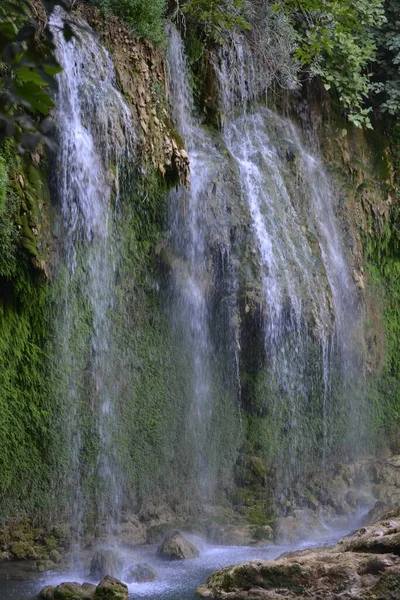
(362, 566)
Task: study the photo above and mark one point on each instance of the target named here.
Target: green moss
(22, 550)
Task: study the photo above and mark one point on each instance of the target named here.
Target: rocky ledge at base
(362, 566)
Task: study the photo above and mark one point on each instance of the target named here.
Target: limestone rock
(106, 561)
(176, 547)
(89, 588)
(362, 566)
(140, 573)
(381, 538)
(376, 512)
(111, 589)
(130, 531)
(312, 574)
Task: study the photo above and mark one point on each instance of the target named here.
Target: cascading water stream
(191, 219)
(95, 133)
(310, 309)
(308, 302)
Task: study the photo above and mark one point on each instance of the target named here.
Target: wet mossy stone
(47, 593)
(111, 589)
(140, 573)
(73, 591)
(176, 547)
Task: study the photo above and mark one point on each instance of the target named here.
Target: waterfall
(193, 229)
(255, 292)
(95, 136)
(309, 297)
(304, 301)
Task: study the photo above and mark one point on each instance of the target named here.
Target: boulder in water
(111, 589)
(107, 561)
(140, 573)
(176, 547)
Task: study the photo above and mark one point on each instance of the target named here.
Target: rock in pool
(140, 573)
(176, 547)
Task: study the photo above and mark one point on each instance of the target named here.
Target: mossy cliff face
(365, 166)
(152, 376)
(25, 405)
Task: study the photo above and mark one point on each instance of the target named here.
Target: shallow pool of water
(176, 580)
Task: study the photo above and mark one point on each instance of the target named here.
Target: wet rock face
(140, 573)
(177, 547)
(106, 561)
(365, 565)
(381, 538)
(111, 589)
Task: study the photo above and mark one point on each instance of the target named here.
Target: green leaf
(29, 74)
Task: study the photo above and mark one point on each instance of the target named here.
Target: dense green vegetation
(27, 72)
(144, 18)
(352, 46)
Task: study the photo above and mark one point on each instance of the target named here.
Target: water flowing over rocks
(176, 547)
(240, 356)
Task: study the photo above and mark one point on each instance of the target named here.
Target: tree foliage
(144, 18)
(27, 72)
(387, 80)
(216, 17)
(337, 40)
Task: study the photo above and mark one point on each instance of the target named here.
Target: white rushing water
(95, 133)
(292, 206)
(310, 310)
(189, 231)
